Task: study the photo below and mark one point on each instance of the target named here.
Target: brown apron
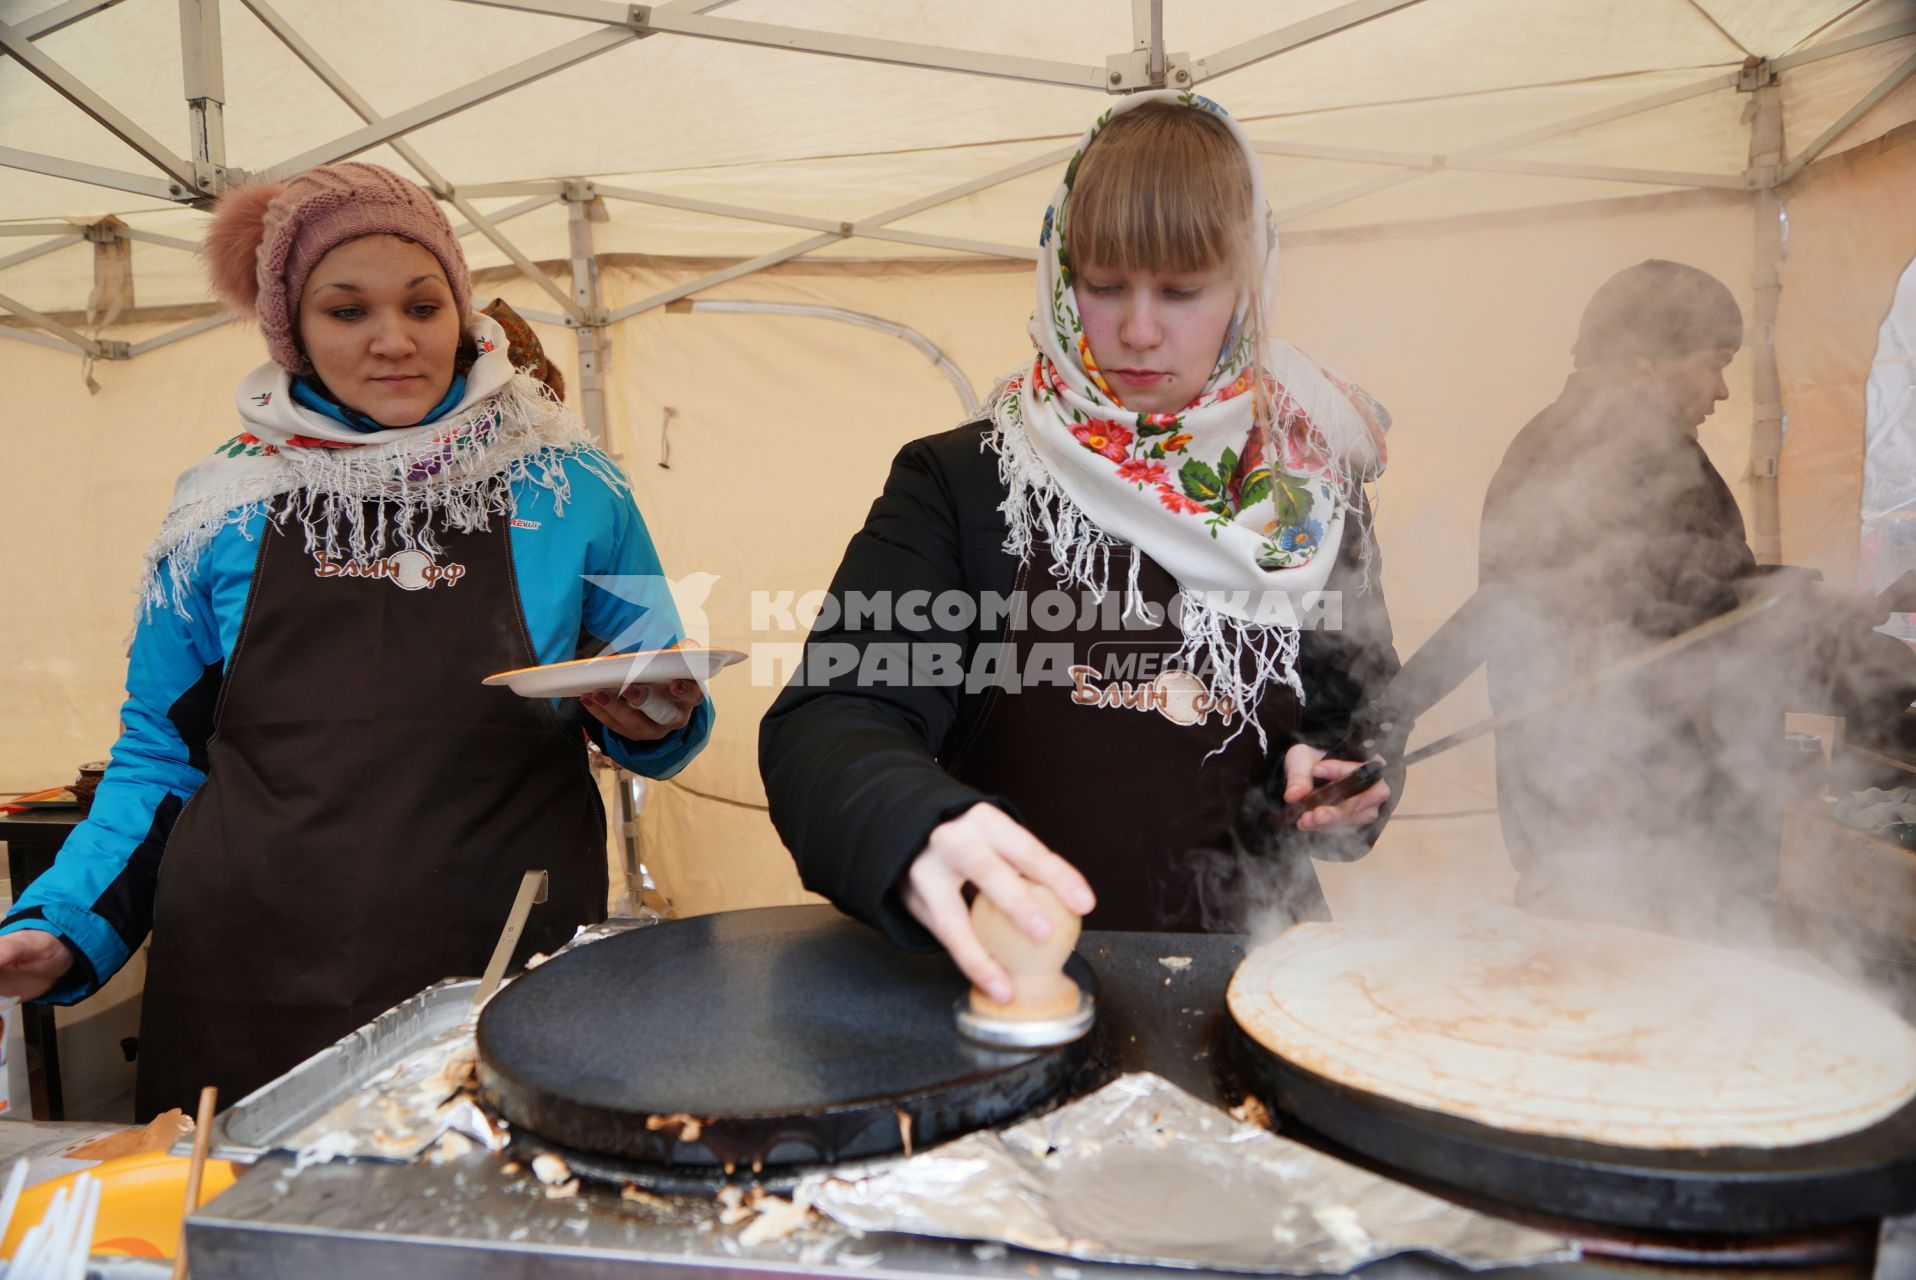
(1111, 771)
(368, 811)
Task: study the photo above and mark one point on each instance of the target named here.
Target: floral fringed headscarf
(1247, 519)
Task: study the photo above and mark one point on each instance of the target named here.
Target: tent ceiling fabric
(841, 139)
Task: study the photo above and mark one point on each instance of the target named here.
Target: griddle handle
(1358, 780)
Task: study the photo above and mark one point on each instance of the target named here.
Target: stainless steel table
(471, 1220)
(468, 1220)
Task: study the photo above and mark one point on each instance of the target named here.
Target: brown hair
(1163, 187)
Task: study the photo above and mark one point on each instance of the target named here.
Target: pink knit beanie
(266, 238)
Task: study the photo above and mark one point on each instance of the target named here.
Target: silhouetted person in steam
(1658, 799)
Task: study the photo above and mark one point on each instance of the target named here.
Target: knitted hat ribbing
(266, 238)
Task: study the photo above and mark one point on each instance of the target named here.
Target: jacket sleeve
(98, 896)
(627, 607)
(1345, 669)
(1345, 666)
(1695, 562)
(849, 751)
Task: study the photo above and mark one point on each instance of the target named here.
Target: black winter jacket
(1616, 532)
(855, 776)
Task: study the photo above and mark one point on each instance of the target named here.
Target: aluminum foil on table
(405, 1109)
(1142, 1172)
(397, 1088)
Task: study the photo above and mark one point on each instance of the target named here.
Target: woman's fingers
(668, 706)
(984, 847)
(617, 715)
(645, 712)
(31, 961)
(1299, 765)
(934, 895)
(1305, 767)
(1031, 859)
(1359, 810)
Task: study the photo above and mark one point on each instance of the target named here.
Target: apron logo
(408, 570)
(1177, 695)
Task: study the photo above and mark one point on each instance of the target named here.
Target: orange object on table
(142, 1202)
(52, 797)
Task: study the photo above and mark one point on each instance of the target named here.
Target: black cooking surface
(777, 1036)
(701, 1016)
(1728, 1191)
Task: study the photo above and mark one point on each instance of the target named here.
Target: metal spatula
(1362, 779)
(532, 888)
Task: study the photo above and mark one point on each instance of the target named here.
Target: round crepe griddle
(1726, 1191)
(1558, 978)
(784, 1035)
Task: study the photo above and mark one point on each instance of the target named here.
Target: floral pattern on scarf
(1250, 538)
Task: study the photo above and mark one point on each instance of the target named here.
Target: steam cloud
(1655, 800)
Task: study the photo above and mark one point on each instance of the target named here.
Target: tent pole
(866, 48)
(109, 117)
(154, 237)
(580, 200)
(139, 184)
(465, 229)
(904, 332)
(464, 98)
(442, 187)
(72, 337)
(1341, 18)
(1510, 142)
(60, 17)
(1766, 287)
(1888, 85)
(947, 195)
(719, 277)
(1834, 48)
(40, 250)
(187, 330)
(202, 69)
(39, 339)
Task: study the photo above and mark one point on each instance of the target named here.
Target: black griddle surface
(1729, 1191)
(784, 1035)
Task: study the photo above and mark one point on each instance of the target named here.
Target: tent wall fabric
(1889, 459)
(1851, 242)
(1450, 287)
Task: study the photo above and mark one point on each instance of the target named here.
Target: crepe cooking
(1578, 1030)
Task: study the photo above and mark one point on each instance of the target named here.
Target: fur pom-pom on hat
(266, 238)
(231, 247)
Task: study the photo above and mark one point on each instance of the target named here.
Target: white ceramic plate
(615, 671)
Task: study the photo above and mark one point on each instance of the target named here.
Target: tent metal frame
(864, 320)
(195, 179)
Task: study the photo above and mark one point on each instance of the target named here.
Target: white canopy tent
(1453, 178)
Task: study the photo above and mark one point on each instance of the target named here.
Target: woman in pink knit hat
(315, 807)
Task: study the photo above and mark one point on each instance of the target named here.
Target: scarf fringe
(457, 478)
(1245, 658)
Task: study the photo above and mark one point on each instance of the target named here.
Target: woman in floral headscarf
(1116, 606)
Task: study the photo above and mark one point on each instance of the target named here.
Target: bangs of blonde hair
(1162, 187)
